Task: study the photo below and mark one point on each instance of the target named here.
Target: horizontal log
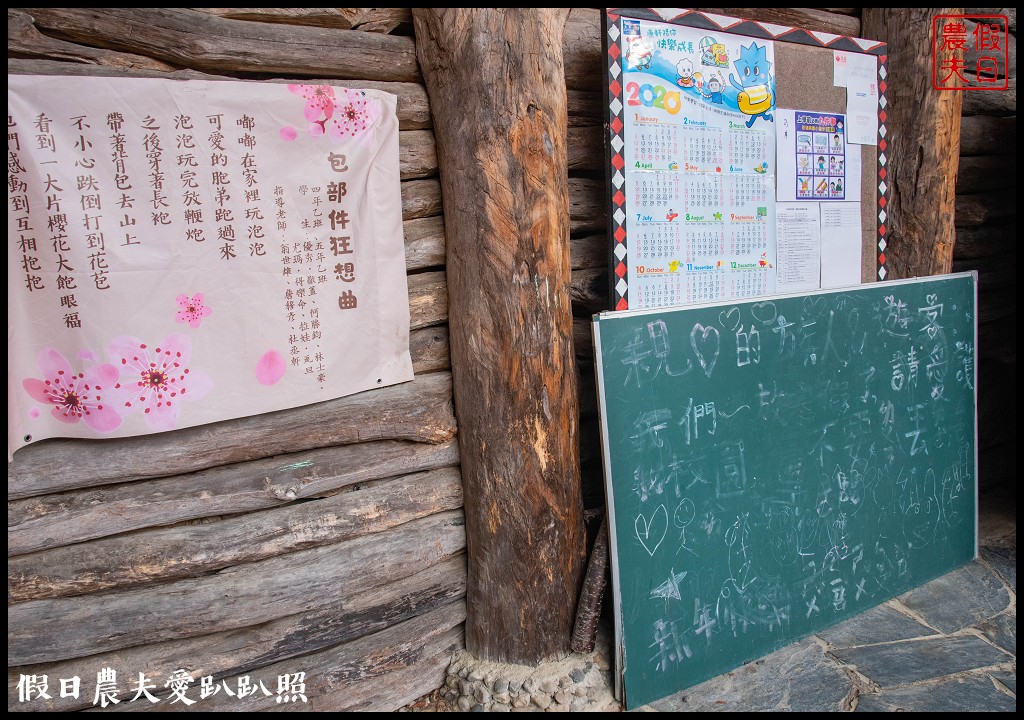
(428, 299)
(413, 110)
(998, 341)
(588, 252)
(586, 148)
(995, 271)
(586, 108)
(992, 102)
(420, 411)
(424, 243)
(589, 291)
(972, 54)
(997, 403)
(582, 342)
(997, 303)
(367, 19)
(417, 155)
(421, 198)
(191, 550)
(61, 628)
(985, 173)
(240, 651)
(987, 135)
(73, 517)
(984, 240)
(581, 50)
(24, 40)
(187, 38)
(358, 674)
(429, 349)
(588, 210)
(974, 210)
(806, 18)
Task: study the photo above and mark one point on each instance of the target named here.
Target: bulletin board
(738, 259)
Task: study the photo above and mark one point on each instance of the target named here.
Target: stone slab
(914, 661)
(975, 693)
(1004, 561)
(1002, 630)
(967, 596)
(880, 624)
(799, 678)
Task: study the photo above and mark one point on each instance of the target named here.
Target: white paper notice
(799, 246)
(861, 99)
(840, 244)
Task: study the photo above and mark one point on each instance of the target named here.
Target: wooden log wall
(327, 539)
(589, 244)
(986, 232)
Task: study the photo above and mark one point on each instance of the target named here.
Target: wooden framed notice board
(744, 158)
(789, 438)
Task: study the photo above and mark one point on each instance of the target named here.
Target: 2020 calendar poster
(699, 152)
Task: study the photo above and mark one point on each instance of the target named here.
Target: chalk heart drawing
(764, 312)
(706, 342)
(651, 533)
(729, 319)
(814, 306)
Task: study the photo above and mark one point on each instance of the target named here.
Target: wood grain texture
(421, 198)
(806, 18)
(368, 19)
(413, 111)
(976, 242)
(588, 210)
(590, 291)
(419, 411)
(428, 299)
(1000, 103)
(201, 41)
(42, 631)
(429, 349)
(358, 675)
(984, 173)
(184, 551)
(417, 157)
(985, 135)
(582, 51)
(923, 150)
(500, 120)
(589, 252)
(424, 243)
(64, 518)
(586, 148)
(234, 652)
(25, 41)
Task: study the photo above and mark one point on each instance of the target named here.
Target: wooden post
(923, 143)
(496, 84)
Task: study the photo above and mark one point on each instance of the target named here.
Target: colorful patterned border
(749, 28)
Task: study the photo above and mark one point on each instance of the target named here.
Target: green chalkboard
(778, 465)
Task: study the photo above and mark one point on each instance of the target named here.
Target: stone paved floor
(950, 645)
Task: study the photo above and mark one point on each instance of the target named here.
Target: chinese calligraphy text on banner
(181, 253)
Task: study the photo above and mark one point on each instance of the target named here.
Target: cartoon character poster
(699, 133)
(813, 162)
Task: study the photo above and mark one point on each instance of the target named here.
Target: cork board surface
(803, 81)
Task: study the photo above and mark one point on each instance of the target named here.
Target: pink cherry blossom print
(320, 104)
(289, 133)
(157, 379)
(355, 113)
(34, 413)
(76, 396)
(270, 368)
(191, 310)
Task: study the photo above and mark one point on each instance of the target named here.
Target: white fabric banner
(185, 252)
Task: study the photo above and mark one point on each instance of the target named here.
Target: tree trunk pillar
(496, 83)
(923, 143)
